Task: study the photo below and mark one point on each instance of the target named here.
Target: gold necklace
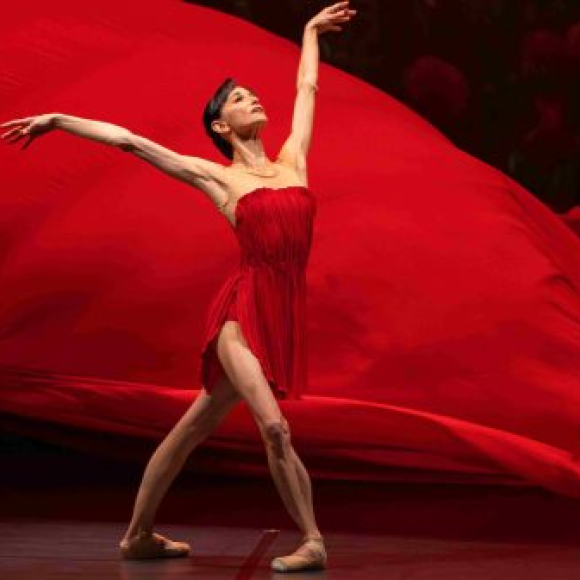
(263, 174)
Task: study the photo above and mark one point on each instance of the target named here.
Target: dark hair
(213, 111)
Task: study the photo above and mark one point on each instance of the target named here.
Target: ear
(220, 127)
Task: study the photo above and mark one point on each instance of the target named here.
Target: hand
(28, 126)
(329, 17)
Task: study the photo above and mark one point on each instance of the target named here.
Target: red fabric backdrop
(444, 299)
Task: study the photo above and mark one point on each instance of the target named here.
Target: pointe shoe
(151, 545)
(311, 555)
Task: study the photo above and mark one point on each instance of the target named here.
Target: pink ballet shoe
(311, 555)
(151, 545)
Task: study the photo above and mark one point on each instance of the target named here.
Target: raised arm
(201, 173)
(295, 149)
(195, 171)
(192, 170)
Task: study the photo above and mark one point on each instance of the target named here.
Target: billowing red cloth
(443, 299)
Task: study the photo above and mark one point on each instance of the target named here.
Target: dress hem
(209, 357)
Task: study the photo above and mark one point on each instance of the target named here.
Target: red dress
(267, 292)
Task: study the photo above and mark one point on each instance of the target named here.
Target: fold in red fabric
(442, 299)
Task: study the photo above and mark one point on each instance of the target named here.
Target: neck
(249, 152)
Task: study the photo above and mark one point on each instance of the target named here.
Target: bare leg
(288, 472)
(305, 485)
(291, 479)
(203, 416)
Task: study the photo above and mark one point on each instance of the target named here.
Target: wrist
(310, 28)
(55, 120)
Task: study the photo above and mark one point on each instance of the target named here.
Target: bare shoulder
(222, 183)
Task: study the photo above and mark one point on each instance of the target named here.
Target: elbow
(125, 141)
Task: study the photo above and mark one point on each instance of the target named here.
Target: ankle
(139, 533)
(317, 536)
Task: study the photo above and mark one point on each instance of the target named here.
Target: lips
(257, 108)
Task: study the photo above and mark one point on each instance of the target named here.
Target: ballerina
(238, 363)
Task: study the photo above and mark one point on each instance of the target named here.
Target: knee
(277, 436)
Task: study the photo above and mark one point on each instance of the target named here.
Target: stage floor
(63, 512)
(74, 549)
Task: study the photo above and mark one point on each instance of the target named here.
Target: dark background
(500, 78)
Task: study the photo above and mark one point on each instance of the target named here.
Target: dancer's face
(242, 113)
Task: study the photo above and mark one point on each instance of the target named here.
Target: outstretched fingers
(15, 135)
(338, 6)
(15, 122)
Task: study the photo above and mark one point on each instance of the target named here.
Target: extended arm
(192, 170)
(295, 149)
(306, 87)
(97, 130)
